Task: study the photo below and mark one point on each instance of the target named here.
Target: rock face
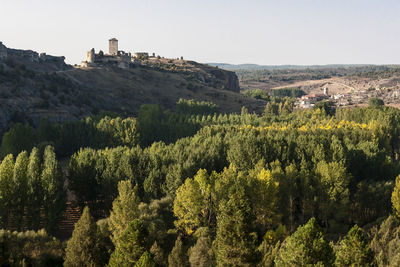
(34, 87)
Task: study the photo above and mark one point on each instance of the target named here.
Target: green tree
(235, 240)
(396, 197)
(20, 137)
(6, 188)
(20, 188)
(354, 250)
(334, 192)
(270, 245)
(201, 253)
(53, 189)
(386, 242)
(125, 209)
(35, 189)
(305, 247)
(178, 257)
(82, 249)
(131, 245)
(145, 260)
(148, 123)
(188, 206)
(375, 102)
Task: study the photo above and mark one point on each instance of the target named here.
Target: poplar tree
(53, 189)
(34, 190)
(20, 189)
(6, 187)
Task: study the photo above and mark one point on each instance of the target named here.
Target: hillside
(34, 86)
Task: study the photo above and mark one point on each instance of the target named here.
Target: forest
(196, 187)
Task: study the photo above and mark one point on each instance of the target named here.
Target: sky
(266, 32)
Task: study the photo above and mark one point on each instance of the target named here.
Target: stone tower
(90, 56)
(113, 46)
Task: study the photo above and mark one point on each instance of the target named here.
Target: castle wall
(90, 56)
(3, 51)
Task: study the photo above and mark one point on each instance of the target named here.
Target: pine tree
(82, 247)
(20, 189)
(354, 250)
(145, 260)
(178, 257)
(201, 253)
(130, 246)
(125, 209)
(53, 189)
(305, 247)
(158, 254)
(6, 187)
(235, 244)
(34, 190)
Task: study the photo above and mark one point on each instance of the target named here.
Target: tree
(178, 257)
(396, 197)
(270, 245)
(235, 240)
(145, 260)
(82, 247)
(148, 123)
(334, 192)
(131, 245)
(201, 253)
(20, 137)
(53, 189)
(386, 242)
(35, 189)
(354, 250)
(375, 102)
(327, 106)
(6, 188)
(304, 247)
(125, 209)
(20, 189)
(188, 206)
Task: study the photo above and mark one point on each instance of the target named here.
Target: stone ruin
(116, 57)
(3, 51)
(30, 55)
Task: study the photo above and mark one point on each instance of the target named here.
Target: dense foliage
(199, 188)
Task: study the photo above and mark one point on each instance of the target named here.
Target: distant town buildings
(308, 101)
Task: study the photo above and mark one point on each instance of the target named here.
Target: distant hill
(234, 67)
(33, 87)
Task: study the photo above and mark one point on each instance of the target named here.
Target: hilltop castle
(116, 57)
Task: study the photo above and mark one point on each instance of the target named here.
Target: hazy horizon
(302, 32)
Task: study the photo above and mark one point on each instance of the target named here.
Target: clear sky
(269, 32)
